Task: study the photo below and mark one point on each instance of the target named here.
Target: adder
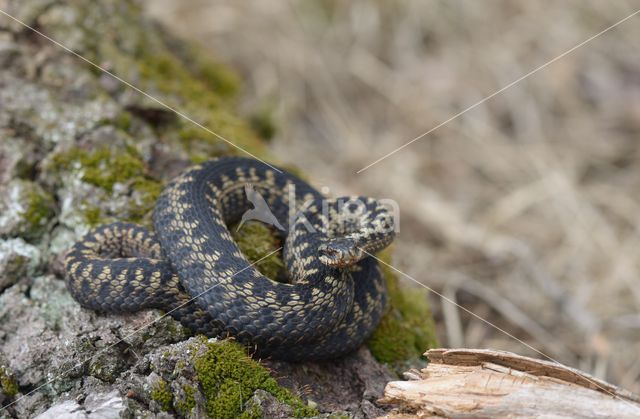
(332, 302)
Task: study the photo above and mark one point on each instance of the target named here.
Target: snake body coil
(334, 301)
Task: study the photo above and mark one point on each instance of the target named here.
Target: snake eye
(339, 253)
(329, 256)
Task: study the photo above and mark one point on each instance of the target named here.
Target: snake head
(340, 252)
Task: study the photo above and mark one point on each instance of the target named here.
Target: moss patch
(35, 205)
(8, 383)
(407, 330)
(93, 216)
(252, 412)
(39, 208)
(263, 123)
(162, 395)
(203, 90)
(229, 378)
(104, 167)
(106, 368)
(188, 401)
(145, 194)
(256, 241)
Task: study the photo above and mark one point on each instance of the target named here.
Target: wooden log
(487, 383)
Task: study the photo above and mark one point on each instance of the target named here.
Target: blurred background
(525, 210)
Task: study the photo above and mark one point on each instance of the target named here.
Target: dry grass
(524, 210)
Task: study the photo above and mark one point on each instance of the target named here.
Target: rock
(15, 160)
(105, 406)
(67, 409)
(18, 259)
(96, 406)
(8, 383)
(26, 210)
(48, 335)
(268, 406)
(9, 50)
(341, 384)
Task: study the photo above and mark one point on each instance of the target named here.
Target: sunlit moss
(102, 167)
(407, 329)
(162, 394)
(187, 402)
(38, 209)
(8, 383)
(256, 241)
(229, 378)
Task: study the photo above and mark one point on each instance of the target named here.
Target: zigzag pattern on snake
(336, 295)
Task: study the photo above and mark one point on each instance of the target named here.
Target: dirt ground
(525, 209)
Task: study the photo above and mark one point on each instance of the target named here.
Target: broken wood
(487, 383)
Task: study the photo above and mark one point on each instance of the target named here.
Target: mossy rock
(102, 167)
(105, 167)
(185, 402)
(407, 330)
(162, 395)
(8, 383)
(229, 378)
(27, 210)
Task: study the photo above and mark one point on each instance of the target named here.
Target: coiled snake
(337, 294)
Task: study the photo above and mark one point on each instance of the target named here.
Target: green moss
(93, 216)
(177, 73)
(215, 76)
(106, 368)
(256, 240)
(123, 121)
(407, 329)
(188, 402)
(146, 193)
(102, 167)
(8, 383)
(199, 144)
(229, 378)
(204, 91)
(252, 412)
(162, 395)
(263, 124)
(39, 209)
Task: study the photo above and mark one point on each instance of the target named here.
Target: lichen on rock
(116, 181)
(25, 210)
(18, 259)
(8, 383)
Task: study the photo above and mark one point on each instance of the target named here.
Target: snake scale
(334, 299)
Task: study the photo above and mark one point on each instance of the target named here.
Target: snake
(190, 267)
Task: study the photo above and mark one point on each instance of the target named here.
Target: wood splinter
(488, 383)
